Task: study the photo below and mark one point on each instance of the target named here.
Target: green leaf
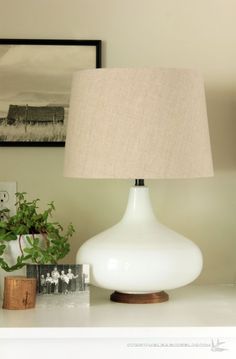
(2, 248)
(28, 250)
(28, 220)
(36, 242)
(30, 242)
(9, 237)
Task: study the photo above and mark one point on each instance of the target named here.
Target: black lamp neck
(139, 182)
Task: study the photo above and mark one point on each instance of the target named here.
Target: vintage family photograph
(61, 279)
(35, 77)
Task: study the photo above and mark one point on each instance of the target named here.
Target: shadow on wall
(221, 107)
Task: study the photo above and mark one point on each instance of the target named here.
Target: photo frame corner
(30, 114)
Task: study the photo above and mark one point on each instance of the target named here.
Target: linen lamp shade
(138, 123)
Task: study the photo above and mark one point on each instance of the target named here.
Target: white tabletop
(208, 306)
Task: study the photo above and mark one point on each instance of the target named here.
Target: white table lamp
(139, 124)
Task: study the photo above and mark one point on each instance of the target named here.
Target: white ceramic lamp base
(139, 255)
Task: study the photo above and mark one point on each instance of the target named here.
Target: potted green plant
(30, 237)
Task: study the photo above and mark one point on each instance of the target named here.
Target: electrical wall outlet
(8, 197)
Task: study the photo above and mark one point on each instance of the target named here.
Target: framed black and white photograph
(35, 83)
(61, 284)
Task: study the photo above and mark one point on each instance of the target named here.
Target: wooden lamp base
(158, 297)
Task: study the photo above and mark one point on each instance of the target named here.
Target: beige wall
(179, 33)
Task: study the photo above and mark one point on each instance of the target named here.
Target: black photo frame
(35, 80)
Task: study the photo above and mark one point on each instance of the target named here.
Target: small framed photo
(35, 78)
(62, 284)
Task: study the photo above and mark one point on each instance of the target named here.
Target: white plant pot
(11, 253)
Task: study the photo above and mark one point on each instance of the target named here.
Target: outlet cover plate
(8, 196)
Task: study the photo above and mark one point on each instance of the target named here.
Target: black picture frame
(18, 77)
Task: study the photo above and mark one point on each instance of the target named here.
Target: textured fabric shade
(138, 123)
